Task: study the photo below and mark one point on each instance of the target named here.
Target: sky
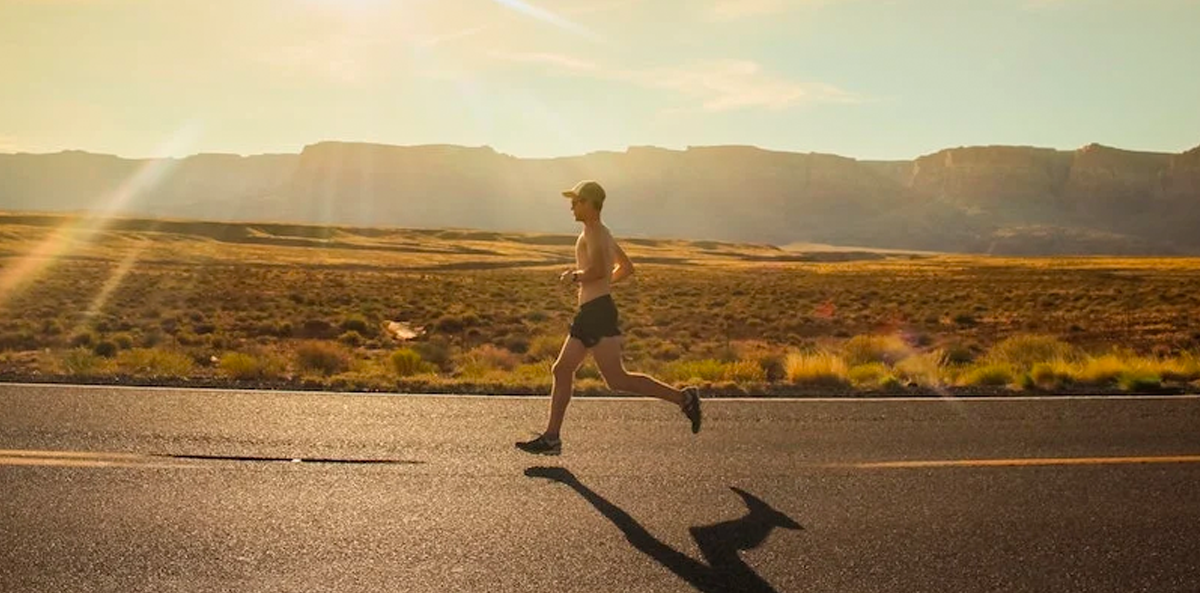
(869, 79)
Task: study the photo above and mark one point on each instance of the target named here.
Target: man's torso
(592, 289)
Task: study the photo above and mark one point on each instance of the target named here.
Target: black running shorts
(596, 319)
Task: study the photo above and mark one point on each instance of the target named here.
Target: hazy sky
(862, 78)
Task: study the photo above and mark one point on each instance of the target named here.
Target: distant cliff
(992, 199)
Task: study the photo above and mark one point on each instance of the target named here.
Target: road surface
(111, 489)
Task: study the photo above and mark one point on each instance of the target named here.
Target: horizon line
(628, 148)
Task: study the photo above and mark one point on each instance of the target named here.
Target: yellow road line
(79, 461)
(60, 454)
(1026, 462)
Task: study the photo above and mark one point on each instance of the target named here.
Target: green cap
(587, 190)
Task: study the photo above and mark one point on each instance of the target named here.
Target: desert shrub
(355, 322)
(51, 327)
(922, 369)
(81, 362)
(452, 324)
(1102, 370)
(1022, 352)
(1054, 374)
(326, 358)
(861, 350)
(83, 339)
(435, 351)
(544, 347)
(692, 370)
(105, 348)
(773, 367)
(123, 341)
(745, 371)
(154, 362)
(1183, 368)
(351, 338)
(239, 365)
(407, 362)
(1139, 375)
(317, 329)
(868, 375)
(18, 340)
(988, 374)
(589, 370)
(819, 368)
(516, 344)
(959, 354)
(666, 350)
(484, 359)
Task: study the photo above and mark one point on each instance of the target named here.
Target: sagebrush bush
(1054, 374)
(407, 362)
(326, 358)
(988, 374)
(923, 369)
(356, 323)
(239, 365)
(861, 350)
(745, 371)
(682, 371)
(485, 359)
(820, 369)
(1102, 370)
(81, 362)
(544, 347)
(1023, 351)
(869, 375)
(155, 362)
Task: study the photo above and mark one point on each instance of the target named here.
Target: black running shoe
(542, 445)
(691, 407)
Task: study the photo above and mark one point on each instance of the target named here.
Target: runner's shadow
(719, 543)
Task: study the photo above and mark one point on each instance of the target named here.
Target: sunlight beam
(546, 16)
(80, 231)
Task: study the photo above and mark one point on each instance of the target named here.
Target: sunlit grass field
(290, 306)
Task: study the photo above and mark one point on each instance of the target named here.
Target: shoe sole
(548, 453)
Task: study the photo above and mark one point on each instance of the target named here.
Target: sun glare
(78, 232)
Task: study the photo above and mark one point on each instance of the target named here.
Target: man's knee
(562, 370)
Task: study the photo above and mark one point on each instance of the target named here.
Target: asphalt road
(105, 489)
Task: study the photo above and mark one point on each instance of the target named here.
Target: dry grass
(191, 302)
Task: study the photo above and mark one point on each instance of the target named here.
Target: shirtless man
(600, 261)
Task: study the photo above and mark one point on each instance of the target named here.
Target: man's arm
(624, 268)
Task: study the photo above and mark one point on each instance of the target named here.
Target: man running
(600, 261)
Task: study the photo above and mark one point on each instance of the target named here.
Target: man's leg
(569, 359)
(608, 357)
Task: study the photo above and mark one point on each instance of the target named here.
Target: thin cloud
(715, 85)
(728, 10)
(452, 36)
(560, 61)
(726, 85)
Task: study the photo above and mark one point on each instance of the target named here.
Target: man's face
(581, 208)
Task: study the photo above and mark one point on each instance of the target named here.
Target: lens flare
(79, 231)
